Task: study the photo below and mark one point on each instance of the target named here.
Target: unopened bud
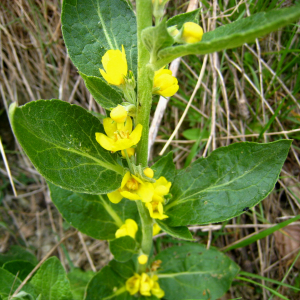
(119, 114)
(148, 172)
(191, 33)
(143, 259)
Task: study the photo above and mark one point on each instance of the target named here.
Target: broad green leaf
(104, 94)
(123, 248)
(93, 215)
(107, 284)
(90, 28)
(59, 138)
(8, 283)
(19, 268)
(156, 38)
(180, 232)
(193, 272)
(79, 281)
(125, 270)
(220, 186)
(232, 35)
(179, 20)
(165, 167)
(17, 253)
(51, 281)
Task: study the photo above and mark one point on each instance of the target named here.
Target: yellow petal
(110, 126)
(122, 144)
(130, 196)
(148, 172)
(192, 32)
(146, 192)
(125, 179)
(136, 134)
(133, 284)
(105, 142)
(170, 91)
(119, 114)
(131, 223)
(115, 197)
(156, 229)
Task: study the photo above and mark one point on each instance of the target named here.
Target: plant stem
(145, 79)
(146, 232)
(144, 101)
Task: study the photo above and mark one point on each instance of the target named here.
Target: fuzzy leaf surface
(193, 272)
(51, 281)
(232, 35)
(103, 93)
(90, 28)
(165, 167)
(179, 20)
(122, 248)
(59, 138)
(94, 215)
(19, 268)
(9, 283)
(180, 232)
(220, 186)
(17, 253)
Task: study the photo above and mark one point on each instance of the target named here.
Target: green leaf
(220, 186)
(180, 232)
(107, 284)
(179, 20)
(19, 268)
(193, 272)
(93, 215)
(232, 35)
(165, 167)
(18, 253)
(123, 248)
(104, 94)
(156, 38)
(79, 281)
(125, 270)
(59, 138)
(51, 281)
(195, 133)
(9, 283)
(90, 28)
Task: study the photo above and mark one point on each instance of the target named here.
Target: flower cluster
(145, 285)
(152, 194)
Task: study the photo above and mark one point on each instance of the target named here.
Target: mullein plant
(98, 171)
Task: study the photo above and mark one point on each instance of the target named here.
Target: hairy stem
(144, 100)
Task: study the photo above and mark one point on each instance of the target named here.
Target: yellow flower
(156, 229)
(129, 228)
(133, 284)
(156, 210)
(156, 290)
(161, 188)
(192, 33)
(119, 135)
(148, 172)
(119, 114)
(164, 83)
(115, 65)
(143, 259)
(132, 188)
(130, 152)
(145, 285)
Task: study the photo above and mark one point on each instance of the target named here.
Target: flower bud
(148, 172)
(156, 229)
(191, 33)
(164, 83)
(130, 152)
(119, 114)
(143, 259)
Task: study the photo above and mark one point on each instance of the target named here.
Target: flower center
(132, 184)
(120, 135)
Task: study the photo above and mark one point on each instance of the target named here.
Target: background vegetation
(256, 88)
